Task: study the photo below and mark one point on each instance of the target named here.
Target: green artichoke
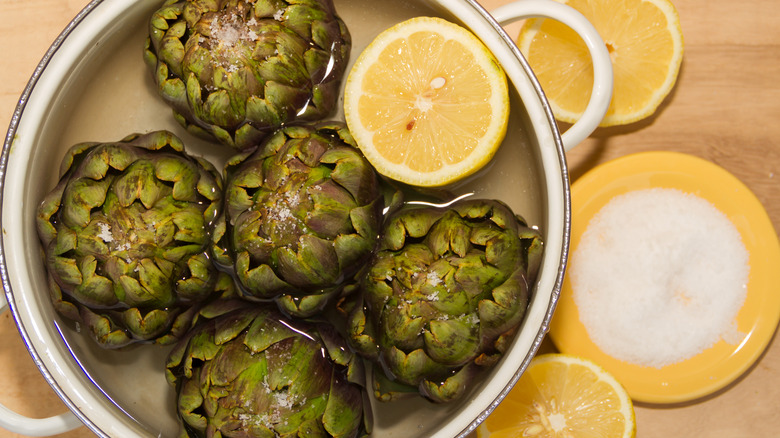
(443, 296)
(236, 70)
(126, 234)
(254, 373)
(303, 212)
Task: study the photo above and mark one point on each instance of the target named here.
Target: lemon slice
(645, 43)
(562, 396)
(427, 102)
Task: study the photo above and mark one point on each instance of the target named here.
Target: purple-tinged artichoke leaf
(474, 274)
(95, 290)
(331, 214)
(507, 306)
(171, 52)
(48, 208)
(66, 269)
(285, 99)
(452, 342)
(386, 390)
(323, 32)
(295, 365)
(200, 347)
(184, 176)
(217, 110)
(352, 173)
(258, 110)
(311, 428)
(261, 281)
(248, 135)
(248, 236)
(449, 234)
(448, 298)
(65, 308)
(407, 367)
(351, 251)
(344, 411)
(483, 236)
(190, 226)
(402, 330)
(179, 327)
(138, 182)
(336, 346)
(306, 306)
(189, 402)
(148, 326)
(102, 330)
(365, 219)
(228, 328)
(266, 331)
(195, 96)
(156, 284)
(450, 389)
(417, 222)
(174, 90)
(224, 136)
(535, 253)
(233, 365)
(310, 150)
(79, 200)
(476, 209)
(316, 262)
(299, 17)
(359, 333)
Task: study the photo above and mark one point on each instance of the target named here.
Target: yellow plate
(720, 365)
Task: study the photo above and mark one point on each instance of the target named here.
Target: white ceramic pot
(92, 85)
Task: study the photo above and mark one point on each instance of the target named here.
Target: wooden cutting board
(725, 108)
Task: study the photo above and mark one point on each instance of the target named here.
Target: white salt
(659, 276)
(231, 29)
(227, 32)
(433, 279)
(228, 35)
(105, 232)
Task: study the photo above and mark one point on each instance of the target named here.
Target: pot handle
(13, 422)
(602, 65)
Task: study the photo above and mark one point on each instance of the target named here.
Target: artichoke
(443, 296)
(303, 212)
(126, 234)
(237, 70)
(254, 373)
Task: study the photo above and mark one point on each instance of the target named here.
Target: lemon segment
(645, 42)
(563, 396)
(427, 103)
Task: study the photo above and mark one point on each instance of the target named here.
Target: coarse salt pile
(659, 276)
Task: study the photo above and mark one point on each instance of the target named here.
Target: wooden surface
(725, 108)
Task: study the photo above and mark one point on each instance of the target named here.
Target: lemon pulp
(427, 102)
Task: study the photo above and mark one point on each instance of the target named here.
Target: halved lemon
(427, 102)
(563, 396)
(645, 43)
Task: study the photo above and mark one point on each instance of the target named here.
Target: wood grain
(725, 108)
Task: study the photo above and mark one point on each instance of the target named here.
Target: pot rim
(505, 39)
(4, 274)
